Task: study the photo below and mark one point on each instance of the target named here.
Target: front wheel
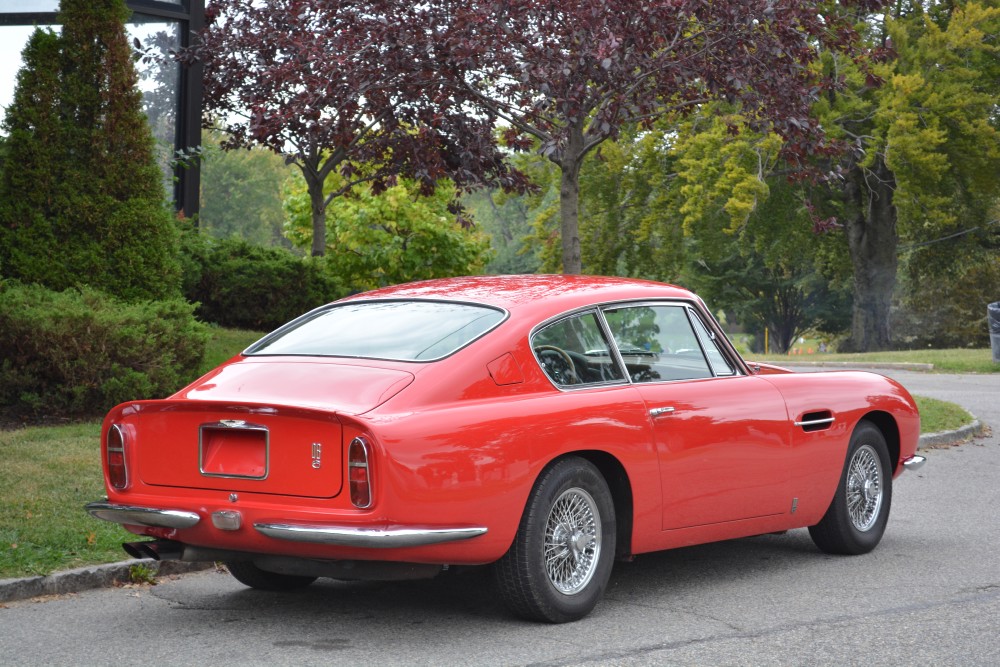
(857, 517)
(559, 564)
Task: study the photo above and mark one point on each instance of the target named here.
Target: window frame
(690, 308)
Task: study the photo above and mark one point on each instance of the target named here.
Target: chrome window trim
(692, 316)
(316, 312)
(740, 369)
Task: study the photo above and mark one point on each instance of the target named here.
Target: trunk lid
(316, 383)
(248, 448)
(263, 425)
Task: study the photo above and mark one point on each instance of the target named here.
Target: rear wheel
(559, 564)
(857, 517)
(250, 575)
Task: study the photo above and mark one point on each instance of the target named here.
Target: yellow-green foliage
(721, 170)
(935, 112)
(393, 237)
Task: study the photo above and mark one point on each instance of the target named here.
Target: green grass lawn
(226, 343)
(946, 361)
(49, 473)
(937, 416)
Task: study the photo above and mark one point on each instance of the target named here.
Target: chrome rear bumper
(915, 462)
(335, 535)
(143, 516)
(370, 538)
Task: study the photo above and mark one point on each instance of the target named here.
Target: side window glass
(719, 363)
(657, 343)
(573, 351)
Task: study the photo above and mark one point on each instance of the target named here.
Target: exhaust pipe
(173, 550)
(156, 549)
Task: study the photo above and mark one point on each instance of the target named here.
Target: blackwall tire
(857, 517)
(250, 575)
(559, 564)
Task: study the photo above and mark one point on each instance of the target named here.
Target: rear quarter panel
(475, 462)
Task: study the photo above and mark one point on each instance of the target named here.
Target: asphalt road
(928, 595)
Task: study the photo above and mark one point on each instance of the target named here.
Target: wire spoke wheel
(572, 541)
(864, 488)
(561, 558)
(858, 514)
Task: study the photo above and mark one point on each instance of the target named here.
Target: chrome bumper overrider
(371, 538)
(143, 516)
(914, 462)
(345, 536)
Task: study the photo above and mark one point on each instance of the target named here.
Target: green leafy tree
(927, 149)
(391, 237)
(82, 196)
(241, 193)
(773, 272)
(506, 220)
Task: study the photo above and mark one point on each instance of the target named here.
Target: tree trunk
(317, 201)
(872, 240)
(569, 202)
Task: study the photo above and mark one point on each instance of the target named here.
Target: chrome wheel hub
(572, 541)
(864, 488)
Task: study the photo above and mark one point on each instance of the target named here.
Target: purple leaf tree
(335, 85)
(567, 75)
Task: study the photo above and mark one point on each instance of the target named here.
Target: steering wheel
(557, 364)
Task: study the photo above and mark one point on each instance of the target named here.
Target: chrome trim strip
(142, 516)
(235, 425)
(915, 462)
(816, 422)
(369, 538)
(120, 430)
(353, 464)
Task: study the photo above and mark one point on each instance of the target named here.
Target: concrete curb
(945, 438)
(86, 578)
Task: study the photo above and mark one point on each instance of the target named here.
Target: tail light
(114, 452)
(359, 474)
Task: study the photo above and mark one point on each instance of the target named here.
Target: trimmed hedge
(244, 286)
(77, 353)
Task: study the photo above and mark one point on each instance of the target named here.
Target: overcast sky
(12, 41)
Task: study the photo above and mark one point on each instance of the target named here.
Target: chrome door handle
(659, 412)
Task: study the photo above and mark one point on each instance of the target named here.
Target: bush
(77, 353)
(244, 286)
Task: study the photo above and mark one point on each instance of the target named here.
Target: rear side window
(397, 330)
(574, 351)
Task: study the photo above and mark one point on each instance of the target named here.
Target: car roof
(536, 293)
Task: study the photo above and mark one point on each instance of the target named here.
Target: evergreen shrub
(77, 353)
(244, 286)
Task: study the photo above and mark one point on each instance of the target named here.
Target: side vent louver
(816, 421)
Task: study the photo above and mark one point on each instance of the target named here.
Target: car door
(721, 437)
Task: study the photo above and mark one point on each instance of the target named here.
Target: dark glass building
(171, 94)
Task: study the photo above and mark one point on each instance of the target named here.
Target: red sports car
(546, 425)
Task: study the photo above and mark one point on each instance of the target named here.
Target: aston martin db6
(543, 425)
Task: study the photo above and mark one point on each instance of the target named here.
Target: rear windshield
(397, 330)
